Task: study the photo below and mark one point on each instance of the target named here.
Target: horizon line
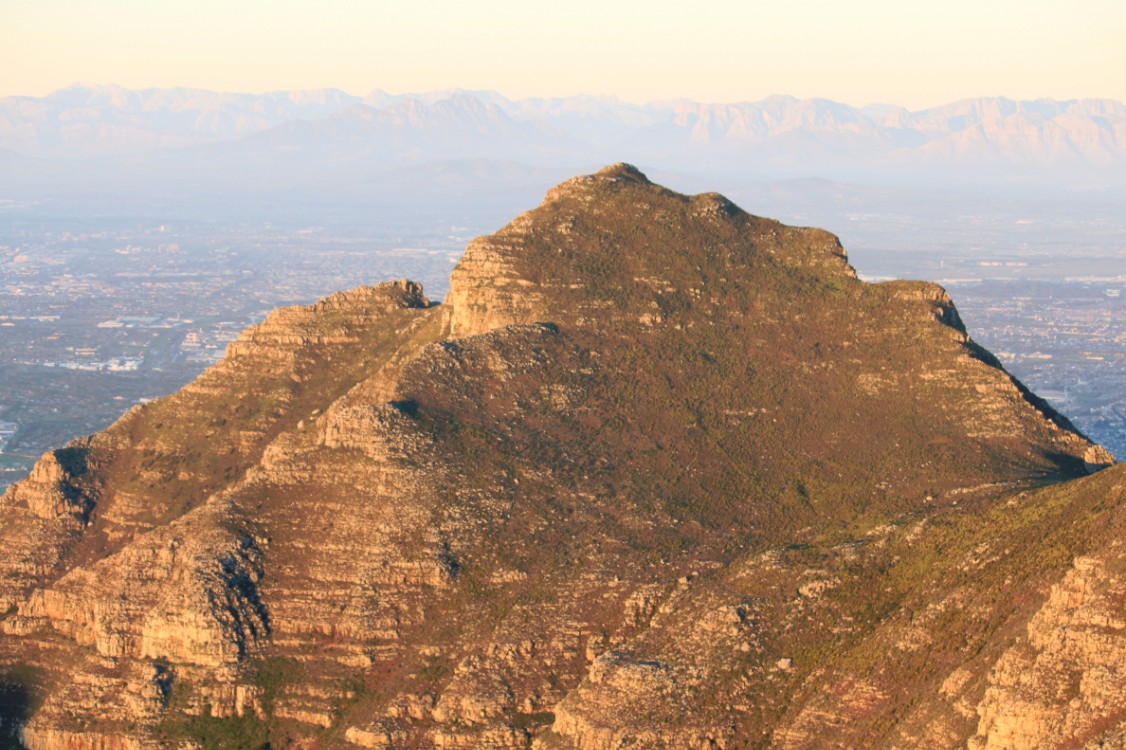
(581, 95)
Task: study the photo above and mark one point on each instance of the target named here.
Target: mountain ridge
(770, 134)
(657, 471)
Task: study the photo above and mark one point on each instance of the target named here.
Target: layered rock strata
(657, 473)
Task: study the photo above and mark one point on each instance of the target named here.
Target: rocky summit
(657, 473)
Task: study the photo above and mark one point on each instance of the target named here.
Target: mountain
(403, 130)
(323, 157)
(989, 140)
(110, 121)
(657, 473)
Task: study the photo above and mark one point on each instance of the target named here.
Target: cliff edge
(657, 473)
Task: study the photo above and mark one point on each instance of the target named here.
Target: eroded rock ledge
(657, 473)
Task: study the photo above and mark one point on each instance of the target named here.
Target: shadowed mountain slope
(657, 473)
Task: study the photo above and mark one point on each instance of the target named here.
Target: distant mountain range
(329, 132)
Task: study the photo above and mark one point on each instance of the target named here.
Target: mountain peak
(616, 241)
(652, 456)
(622, 171)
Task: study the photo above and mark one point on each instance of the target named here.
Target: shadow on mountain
(15, 709)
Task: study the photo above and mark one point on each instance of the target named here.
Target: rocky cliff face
(1064, 683)
(658, 473)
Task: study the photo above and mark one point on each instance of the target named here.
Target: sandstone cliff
(657, 473)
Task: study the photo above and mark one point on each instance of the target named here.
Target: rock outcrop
(1064, 684)
(657, 473)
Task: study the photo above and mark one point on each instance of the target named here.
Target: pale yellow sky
(860, 52)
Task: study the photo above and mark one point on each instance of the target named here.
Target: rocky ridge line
(604, 493)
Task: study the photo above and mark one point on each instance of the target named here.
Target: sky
(860, 52)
